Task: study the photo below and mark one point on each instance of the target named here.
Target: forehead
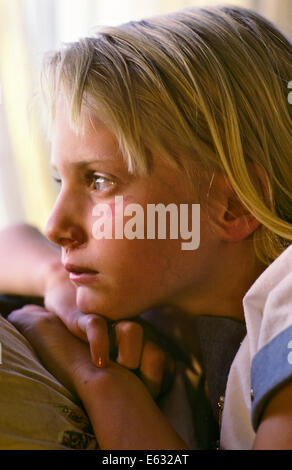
(95, 143)
(92, 141)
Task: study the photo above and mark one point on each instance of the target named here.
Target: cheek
(139, 260)
(133, 258)
(140, 268)
(135, 276)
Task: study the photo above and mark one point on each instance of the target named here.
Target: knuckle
(91, 321)
(46, 318)
(128, 328)
(32, 307)
(124, 327)
(13, 316)
(137, 330)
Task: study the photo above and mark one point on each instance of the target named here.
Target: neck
(221, 294)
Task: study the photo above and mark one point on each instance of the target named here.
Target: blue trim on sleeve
(271, 368)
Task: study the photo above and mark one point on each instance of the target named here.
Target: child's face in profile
(131, 275)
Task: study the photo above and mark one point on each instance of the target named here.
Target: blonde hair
(203, 88)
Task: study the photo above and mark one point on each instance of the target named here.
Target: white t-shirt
(264, 360)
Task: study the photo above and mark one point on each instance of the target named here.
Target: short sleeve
(271, 369)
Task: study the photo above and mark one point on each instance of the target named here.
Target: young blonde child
(189, 107)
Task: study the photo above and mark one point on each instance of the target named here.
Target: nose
(64, 226)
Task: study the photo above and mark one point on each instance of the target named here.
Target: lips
(81, 274)
(71, 268)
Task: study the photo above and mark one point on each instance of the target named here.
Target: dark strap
(219, 340)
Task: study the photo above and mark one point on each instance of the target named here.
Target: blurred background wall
(28, 28)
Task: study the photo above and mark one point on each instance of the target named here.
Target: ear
(232, 220)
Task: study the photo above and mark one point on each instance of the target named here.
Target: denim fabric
(271, 368)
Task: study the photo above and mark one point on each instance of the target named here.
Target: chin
(86, 301)
(89, 301)
(103, 303)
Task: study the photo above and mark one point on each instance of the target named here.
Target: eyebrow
(83, 163)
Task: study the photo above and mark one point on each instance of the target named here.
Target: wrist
(87, 377)
(122, 412)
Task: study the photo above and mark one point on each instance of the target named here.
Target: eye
(101, 183)
(98, 182)
(57, 180)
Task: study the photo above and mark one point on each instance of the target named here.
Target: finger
(29, 308)
(72, 323)
(96, 331)
(152, 367)
(129, 339)
(29, 317)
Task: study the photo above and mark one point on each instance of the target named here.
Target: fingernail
(101, 362)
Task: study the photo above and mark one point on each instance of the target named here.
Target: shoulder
(268, 303)
(268, 311)
(272, 286)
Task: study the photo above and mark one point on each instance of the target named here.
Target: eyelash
(91, 178)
